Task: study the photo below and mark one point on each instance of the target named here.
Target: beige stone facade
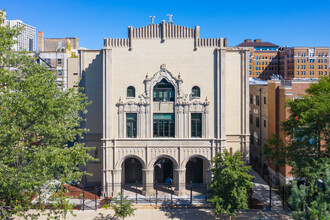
(154, 60)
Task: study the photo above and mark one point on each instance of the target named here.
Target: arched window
(164, 91)
(196, 92)
(130, 91)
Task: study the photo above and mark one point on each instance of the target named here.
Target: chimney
(257, 40)
(41, 41)
(247, 40)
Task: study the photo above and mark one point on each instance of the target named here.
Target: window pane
(196, 124)
(164, 125)
(131, 124)
(155, 129)
(168, 116)
(166, 128)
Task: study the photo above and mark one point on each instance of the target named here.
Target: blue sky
(285, 23)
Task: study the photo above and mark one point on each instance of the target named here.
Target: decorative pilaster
(116, 176)
(180, 181)
(148, 181)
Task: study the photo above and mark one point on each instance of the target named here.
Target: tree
(307, 145)
(318, 208)
(37, 120)
(230, 183)
(123, 206)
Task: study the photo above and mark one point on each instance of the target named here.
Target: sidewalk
(150, 213)
(261, 192)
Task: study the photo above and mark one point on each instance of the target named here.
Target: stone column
(148, 181)
(121, 122)
(186, 122)
(180, 181)
(208, 178)
(116, 176)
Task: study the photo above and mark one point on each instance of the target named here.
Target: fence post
(83, 200)
(283, 195)
(95, 198)
(136, 183)
(156, 192)
(171, 196)
(190, 192)
(270, 197)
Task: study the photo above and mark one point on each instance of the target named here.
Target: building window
(196, 92)
(264, 100)
(59, 61)
(251, 119)
(257, 122)
(251, 99)
(75, 74)
(130, 92)
(59, 72)
(264, 123)
(297, 60)
(131, 125)
(196, 124)
(164, 91)
(257, 100)
(164, 125)
(47, 61)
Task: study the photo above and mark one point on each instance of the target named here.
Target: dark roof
(256, 44)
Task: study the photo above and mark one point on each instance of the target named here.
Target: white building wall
(27, 37)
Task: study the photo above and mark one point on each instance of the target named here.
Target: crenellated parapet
(165, 31)
(212, 42)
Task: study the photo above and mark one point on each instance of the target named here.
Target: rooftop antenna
(152, 19)
(169, 18)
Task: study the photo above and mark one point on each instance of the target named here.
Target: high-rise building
(27, 37)
(304, 62)
(164, 103)
(263, 58)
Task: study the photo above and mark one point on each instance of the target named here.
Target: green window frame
(130, 92)
(131, 125)
(196, 124)
(164, 125)
(163, 91)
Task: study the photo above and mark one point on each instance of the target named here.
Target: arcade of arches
(193, 170)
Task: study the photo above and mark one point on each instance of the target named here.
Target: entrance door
(163, 168)
(133, 171)
(194, 171)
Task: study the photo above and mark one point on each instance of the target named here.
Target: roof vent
(257, 40)
(247, 40)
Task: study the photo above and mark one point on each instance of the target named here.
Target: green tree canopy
(123, 206)
(37, 120)
(230, 183)
(307, 146)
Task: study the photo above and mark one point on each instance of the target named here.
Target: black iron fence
(92, 198)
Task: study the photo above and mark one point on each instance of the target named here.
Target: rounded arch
(120, 162)
(130, 92)
(185, 161)
(153, 161)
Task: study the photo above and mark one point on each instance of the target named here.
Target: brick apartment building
(267, 59)
(263, 58)
(267, 112)
(304, 62)
(60, 54)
